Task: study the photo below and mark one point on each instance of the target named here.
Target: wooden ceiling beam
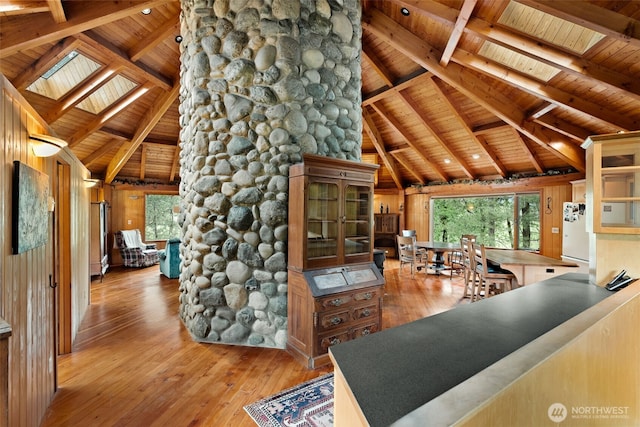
(379, 68)
(490, 127)
(106, 115)
(544, 91)
(154, 38)
(528, 152)
(493, 157)
(458, 29)
(45, 62)
(175, 164)
(23, 7)
(561, 126)
(499, 167)
(143, 161)
(103, 150)
(84, 18)
(80, 92)
(393, 122)
(415, 109)
(393, 91)
(57, 11)
(148, 122)
(596, 18)
(471, 85)
(540, 110)
(371, 129)
(120, 58)
(405, 164)
(550, 55)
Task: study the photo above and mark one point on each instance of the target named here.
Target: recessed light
(475, 156)
(178, 38)
(145, 11)
(447, 161)
(405, 11)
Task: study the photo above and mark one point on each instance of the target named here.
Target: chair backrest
(480, 257)
(409, 233)
(406, 248)
(465, 251)
(470, 237)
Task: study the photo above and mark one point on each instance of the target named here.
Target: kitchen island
(438, 370)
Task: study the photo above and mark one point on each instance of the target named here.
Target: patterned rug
(309, 404)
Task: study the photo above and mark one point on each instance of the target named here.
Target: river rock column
(262, 81)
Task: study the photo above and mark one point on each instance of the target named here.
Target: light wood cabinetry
(579, 191)
(334, 288)
(614, 182)
(385, 232)
(99, 261)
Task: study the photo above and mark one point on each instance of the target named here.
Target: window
(504, 221)
(161, 214)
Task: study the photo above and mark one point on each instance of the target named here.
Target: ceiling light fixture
(447, 161)
(145, 11)
(178, 38)
(405, 11)
(475, 156)
(92, 182)
(46, 145)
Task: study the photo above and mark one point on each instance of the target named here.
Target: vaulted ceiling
(453, 90)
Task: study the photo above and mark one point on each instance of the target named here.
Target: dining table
(439, 249)
(529, 267)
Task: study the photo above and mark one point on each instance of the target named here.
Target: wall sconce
(46, 145)
(92, 182)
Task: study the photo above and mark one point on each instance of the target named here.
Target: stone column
(263, 81)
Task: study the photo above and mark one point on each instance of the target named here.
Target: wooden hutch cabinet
(386, 230)
(335, 290)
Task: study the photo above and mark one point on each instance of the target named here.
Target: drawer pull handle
(366, 332)
(336, 302)
(336, 321)
(366, 313)
(368, 295)
(335, 341)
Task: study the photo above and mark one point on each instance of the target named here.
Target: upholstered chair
(170, 259)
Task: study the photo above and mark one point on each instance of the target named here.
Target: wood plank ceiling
(453, 90)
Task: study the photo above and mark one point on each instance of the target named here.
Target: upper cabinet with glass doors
(330, 212)
(613, 179)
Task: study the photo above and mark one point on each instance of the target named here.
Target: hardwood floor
(134, 363)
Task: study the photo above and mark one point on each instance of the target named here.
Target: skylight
(64, 75)
(549, 28)
(109, 93)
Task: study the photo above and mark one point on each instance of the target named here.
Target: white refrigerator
(575, 238)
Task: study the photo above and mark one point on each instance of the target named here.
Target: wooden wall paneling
(552, 198)
(417, 214)
(26, 299)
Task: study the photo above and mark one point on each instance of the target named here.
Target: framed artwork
(30, 222)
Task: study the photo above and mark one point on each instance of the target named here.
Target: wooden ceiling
(455, 91)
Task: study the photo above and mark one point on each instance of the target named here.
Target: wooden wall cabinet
(99, 258)
(334, 288)
(385, 232)
(614, 182)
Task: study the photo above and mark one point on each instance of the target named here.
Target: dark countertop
(397, 370)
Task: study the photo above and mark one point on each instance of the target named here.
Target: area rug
(309, 404)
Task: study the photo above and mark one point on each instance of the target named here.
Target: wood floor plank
(135, 364)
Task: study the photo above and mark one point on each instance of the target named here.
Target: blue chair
(170, 259)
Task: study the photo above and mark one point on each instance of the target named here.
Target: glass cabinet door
(322, 223)
(357, 223)
(619, 189)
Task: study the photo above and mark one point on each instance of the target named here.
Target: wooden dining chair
(488, 280)
(407, 252)
(459, 260)
(421, 254)
(468, 264)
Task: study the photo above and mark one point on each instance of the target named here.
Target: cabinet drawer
(333, 320)
(333, 301)
(369, 311)
(367, 295)
(326, 341)
(364, 330)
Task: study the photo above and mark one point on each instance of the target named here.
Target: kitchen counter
(407, 366)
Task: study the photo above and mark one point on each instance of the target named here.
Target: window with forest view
(161, 214)
(505, 221)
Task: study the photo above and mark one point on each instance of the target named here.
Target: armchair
(134, 252)
(170, 259)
